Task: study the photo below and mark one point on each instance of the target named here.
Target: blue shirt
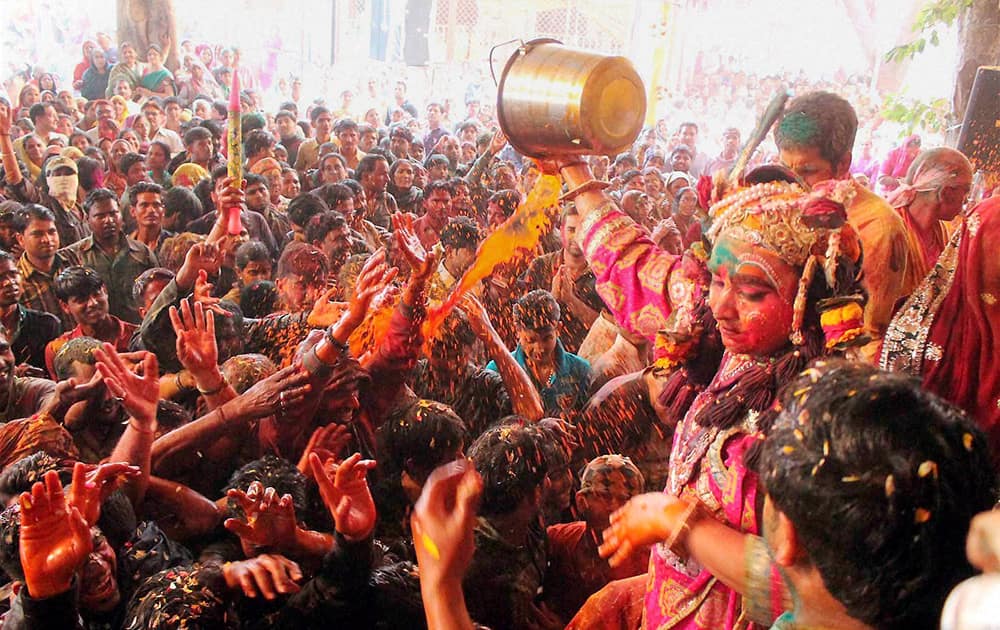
(567, 390)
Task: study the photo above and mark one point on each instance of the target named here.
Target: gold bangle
(213, 392)
(677, 543)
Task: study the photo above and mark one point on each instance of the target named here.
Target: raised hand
(279, 393)
(71, 391)
(327, 442)
(92, 484)
(346, 495)
(55, 538)
(422, 263)
(374, 277)
(267, 575)
(498, 142)
(202, 293)
(443, 520)
(201, 257)
(139, 393)
(476, 313)
(325, 311)
(197, 349)
(268, 521)
(646, 519)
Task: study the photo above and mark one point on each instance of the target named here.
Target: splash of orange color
(517, 236)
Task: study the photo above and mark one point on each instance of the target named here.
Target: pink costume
(648, 289)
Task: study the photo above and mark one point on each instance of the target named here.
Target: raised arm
(631, 271)
(139, 395)
(524, 397)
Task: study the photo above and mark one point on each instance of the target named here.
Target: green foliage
(936, 13)
(913, 114)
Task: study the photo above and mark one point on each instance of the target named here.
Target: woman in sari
(80, 68)
(114, 178)
(95, 80)
(34, 150)
(201, 82)
(127, 68)
(930, 197)
(947, 331)
(28, 96)
(156, 80)
(779, 255)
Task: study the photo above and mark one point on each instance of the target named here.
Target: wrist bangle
(587, 186)
(139, 429)
(314, 365)
(677, 543)
(213, 392)
(342, 347)
(177, 382)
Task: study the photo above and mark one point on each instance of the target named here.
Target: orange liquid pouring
(517, 236)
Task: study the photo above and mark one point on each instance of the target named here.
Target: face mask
(63, 186)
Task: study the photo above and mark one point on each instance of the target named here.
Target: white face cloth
(63, 186)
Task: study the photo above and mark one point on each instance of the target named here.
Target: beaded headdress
(807, 230)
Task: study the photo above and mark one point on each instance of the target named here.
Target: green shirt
(119, 270)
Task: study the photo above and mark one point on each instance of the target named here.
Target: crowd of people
(698, 399)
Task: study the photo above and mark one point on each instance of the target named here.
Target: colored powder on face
(517, 236)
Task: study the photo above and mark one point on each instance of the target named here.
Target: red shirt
(576, 571)
(120, 340)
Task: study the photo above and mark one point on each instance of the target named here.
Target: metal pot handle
(492, 71)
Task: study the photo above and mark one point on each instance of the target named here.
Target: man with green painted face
(815, 138)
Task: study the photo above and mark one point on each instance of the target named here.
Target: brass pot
(553, 100)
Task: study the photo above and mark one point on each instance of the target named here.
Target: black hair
(899, 471)
(432, 187)
(96, 196)
(537, 309)
(259, 299)
(36, 212)
(147, 277)
(304, 207)
(77, 282)
(190, 597)
(316, 112)
(144, 187)
(822, 120)
(221, 108)
(254, 178)
(37, 111)
(257, 141)
(195, 134)
(512, 463)
(322, 224)
(218, 173)
(334, 194)
(251, 251)
(629, 174)
(345, 124)
(460, 232)
(284, 113)
(21, 475)
(180, 200)
(272, 472)
(10, 543)
(506, 200)
(421, 437)
(367, 165)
